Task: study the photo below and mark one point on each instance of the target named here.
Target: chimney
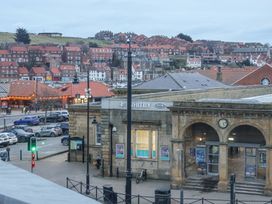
(219, 74)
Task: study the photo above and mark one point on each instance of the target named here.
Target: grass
(37, 39)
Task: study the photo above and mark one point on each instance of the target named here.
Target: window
(144, 144)
(98, 135)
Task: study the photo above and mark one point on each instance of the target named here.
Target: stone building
(174, 133)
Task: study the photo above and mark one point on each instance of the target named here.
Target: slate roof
(180, 81)
(4, 90)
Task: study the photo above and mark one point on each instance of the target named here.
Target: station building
(174, 133)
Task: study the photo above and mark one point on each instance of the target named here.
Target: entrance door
(250, 162)
(213, 159)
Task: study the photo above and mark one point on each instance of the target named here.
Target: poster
(120, 154)
(164, 152)
(200, 155)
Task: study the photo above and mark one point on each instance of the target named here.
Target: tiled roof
(55, 70)
(229, 75)
(255, 77)
(73, 49)
(4, 52)
(27, 88)
(22, 70)
(7, 64)
(98, 89)
(67, 67)
(18, 49)
(38, 70)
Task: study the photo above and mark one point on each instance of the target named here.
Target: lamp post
(88, 132)
(112, 130)
(128, 172)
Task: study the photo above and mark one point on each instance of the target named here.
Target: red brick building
(8, 71)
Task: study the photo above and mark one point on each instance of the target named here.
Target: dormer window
(265, 82)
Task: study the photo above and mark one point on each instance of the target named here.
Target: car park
(22, 135)
(11, 137)
(52, 117)
(27, 120)
(48, 131)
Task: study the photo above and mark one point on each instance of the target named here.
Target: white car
(4, 140)
(11, 137)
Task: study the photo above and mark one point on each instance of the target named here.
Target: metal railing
(110, 197)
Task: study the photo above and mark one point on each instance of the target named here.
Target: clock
(223, 123)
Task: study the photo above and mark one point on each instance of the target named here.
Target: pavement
(57, 168)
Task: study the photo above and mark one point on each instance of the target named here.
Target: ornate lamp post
(128, 172)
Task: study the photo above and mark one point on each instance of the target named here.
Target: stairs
(210, 183)
(203, 183)
(252, 188)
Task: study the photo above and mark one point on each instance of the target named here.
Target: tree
(93, 44)
(184, 37)
(22, 36)
(116, 62)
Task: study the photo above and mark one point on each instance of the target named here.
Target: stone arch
(192, 122)
(239, 124)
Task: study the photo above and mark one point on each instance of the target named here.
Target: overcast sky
(227, 20)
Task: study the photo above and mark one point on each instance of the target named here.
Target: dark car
(22, 135)
(27, 120)
(65, 140)
(52, 117)
(64, 127)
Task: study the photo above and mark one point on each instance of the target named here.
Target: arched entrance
(201, 150)
(246, 153)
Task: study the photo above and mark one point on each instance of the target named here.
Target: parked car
(57, 129)
(65, 140)
(4, 155)
(64, 127)
(48, 131)
(64, 113)
(4, 140)
(22, 135)
(11, 137)
(27, 120)
(23, 127)
(52, 117)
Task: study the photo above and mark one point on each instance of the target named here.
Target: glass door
(250, 162)
(213, 159)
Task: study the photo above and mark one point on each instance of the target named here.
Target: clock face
(223, 123)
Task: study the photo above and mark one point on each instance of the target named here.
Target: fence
(108, 196)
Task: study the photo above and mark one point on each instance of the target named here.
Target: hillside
(37, 39)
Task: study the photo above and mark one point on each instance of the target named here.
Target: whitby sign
(136, 105)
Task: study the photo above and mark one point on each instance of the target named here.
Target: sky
(226, 20)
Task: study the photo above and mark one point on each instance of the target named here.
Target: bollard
(37, 156)
(181, 197)
(21, 155)
(8, 149)
(102, 168)
(5, 124)
(232, 189)
(117, 172)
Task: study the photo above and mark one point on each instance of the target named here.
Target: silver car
(48, 131)
(4, 140)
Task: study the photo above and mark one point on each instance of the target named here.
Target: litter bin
(4, 155)
(163, 196)
(109, 196)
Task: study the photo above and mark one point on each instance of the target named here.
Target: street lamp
(128, 172)
(112, 130)
(88, 132)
